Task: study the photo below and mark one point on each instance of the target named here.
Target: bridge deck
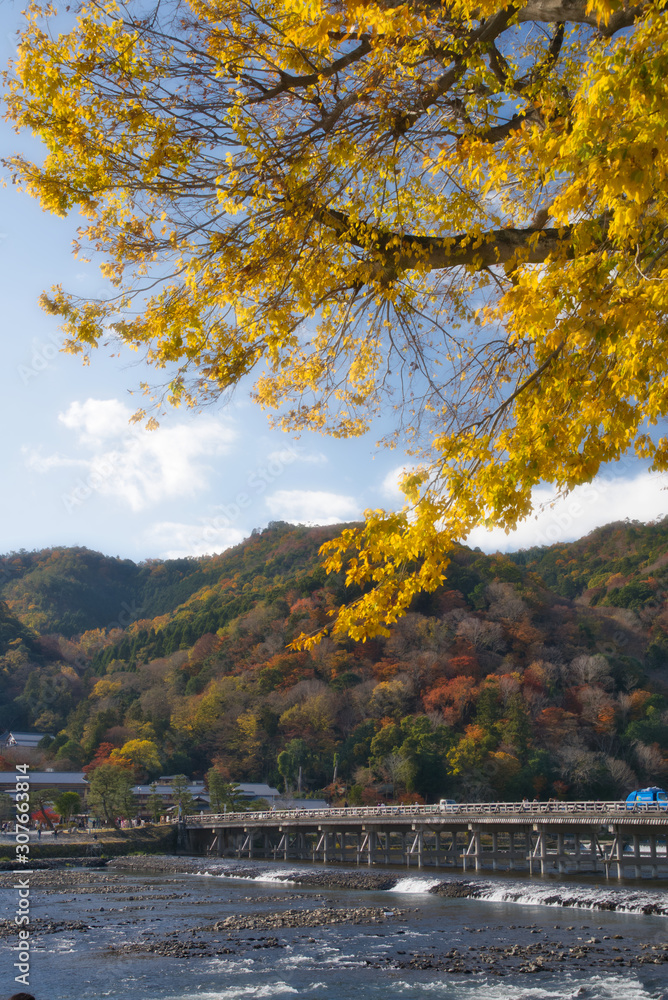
(537, 836)
(492, 813)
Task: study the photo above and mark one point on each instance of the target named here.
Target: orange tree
(454, 209)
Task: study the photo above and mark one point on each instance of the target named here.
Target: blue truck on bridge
(651, 794)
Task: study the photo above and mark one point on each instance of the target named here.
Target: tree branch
(483, 35)
(397, 254)
(290, 82)
(575, 11)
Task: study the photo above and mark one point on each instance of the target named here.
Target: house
(14, 739)
(56, 781)
(163, 788)
(201, 800)
(252, 792)
(285, 802)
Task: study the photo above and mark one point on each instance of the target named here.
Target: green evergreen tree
(67, 804)
(110, 794)
(181, 797)
(155, 803)
(226, 796)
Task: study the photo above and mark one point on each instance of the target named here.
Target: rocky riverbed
(48, 864)
(320, 917)
(608, 952)
(136, 924)
(543, 956)
(321, 878)
(9, 929)
(361, 880)
(197, 941)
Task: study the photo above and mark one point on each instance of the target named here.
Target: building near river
(249, 792)
(56, 781)
(75, 781)
(30, 741)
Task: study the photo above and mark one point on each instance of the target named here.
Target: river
(218, 930)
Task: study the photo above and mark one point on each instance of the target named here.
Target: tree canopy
(456, 210)
(110, 793)
(497, 686)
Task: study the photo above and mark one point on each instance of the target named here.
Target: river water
(139, 933)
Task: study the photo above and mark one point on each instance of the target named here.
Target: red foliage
(304, 606)
(539, 782)
(45, 813)
(465, 665)
(385, 670)
(221, 766)
(459, 693)
(556, 725)
(101, 757)
(205, 646)
(533, 677)
(448, 600)
(284, 670)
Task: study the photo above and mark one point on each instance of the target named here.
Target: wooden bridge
(538, 837)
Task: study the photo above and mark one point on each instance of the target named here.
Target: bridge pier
(637, 868)
(595, 850)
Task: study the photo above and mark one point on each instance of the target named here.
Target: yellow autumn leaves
(459, 212)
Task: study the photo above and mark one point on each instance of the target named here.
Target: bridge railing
(528, 809)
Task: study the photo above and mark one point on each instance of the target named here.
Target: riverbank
(86, 851)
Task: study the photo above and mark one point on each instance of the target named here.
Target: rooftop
(13, 738)
(46, 777)
(253, 790)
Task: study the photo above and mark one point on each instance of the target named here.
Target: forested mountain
(544, 672)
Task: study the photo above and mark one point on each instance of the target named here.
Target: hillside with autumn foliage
(540, 673)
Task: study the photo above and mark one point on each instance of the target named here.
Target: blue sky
(77, 473)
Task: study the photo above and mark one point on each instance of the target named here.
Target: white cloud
(390, 485)
(174, 540)
(139, 467)
(44, 463)
(311, 507)
(295, 454)
(97, 420)
(642, 497)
